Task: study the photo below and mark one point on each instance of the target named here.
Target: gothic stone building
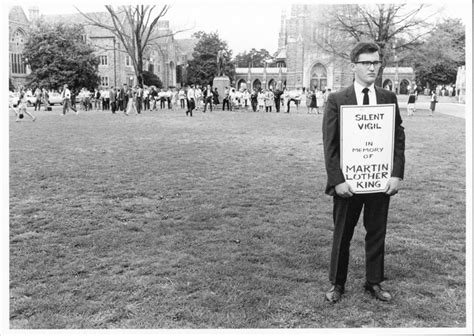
(18, 27)
(305, 64)
(166, 58)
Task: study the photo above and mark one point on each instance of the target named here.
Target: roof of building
(17, 14)
(281, 54)
(260, 70)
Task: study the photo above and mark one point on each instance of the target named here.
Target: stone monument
(221, 81)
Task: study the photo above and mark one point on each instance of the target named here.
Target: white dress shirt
(360, 95)
(191, 94)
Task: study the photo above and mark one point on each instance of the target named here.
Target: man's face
(366, 75)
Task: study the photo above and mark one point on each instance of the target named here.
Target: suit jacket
(121, 95)
(331, 130)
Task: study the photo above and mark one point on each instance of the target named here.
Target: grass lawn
(220, 221)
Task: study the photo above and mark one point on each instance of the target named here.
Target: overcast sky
(243, 24)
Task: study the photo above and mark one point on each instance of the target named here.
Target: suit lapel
(350, 96)
(380, 96)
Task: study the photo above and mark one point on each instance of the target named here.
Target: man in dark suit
(122, 106)
(277, 96)
(365, 63)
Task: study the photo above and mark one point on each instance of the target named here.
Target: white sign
(367, 137)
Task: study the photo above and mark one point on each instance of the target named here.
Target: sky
(243, 24)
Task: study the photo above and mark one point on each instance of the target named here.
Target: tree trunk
(378, 80)
(139, 71)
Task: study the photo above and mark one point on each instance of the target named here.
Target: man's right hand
(344, 190)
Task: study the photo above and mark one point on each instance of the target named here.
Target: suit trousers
(346, 213)
(277, 104)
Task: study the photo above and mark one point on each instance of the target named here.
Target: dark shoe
(335, 293)
(378, 292)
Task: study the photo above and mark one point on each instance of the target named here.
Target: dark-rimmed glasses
(367, 64)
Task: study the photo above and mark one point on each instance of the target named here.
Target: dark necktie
(366, 96)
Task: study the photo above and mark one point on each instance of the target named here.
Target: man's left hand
(392, 186)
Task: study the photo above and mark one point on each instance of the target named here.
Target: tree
(11, 87)
(150, 79)
(136, 27)
(57, 55)
(395, 28)
(253, 58)
(203, 67)
(443, 51)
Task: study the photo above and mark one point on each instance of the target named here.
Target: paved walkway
(453, 109)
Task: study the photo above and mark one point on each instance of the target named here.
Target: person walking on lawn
(347, 205)
(66, 95)
(191, 100)
(433, 101)
(21, 108)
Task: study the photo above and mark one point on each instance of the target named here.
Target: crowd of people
(135, 99)
(256, 100)
(190, 98)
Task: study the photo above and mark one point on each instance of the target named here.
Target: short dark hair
(363, 48)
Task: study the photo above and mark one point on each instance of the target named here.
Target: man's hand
(344, 190)
(392, 186)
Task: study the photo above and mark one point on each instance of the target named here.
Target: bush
(150, 79)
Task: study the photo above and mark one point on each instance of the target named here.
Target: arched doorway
(388, 85)
(404, 86)
(318, 77)
(257, 85)
(272, 84)
(241, 84)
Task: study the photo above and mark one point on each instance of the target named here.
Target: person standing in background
(433, 101)
(66, 95)
(191, 100)
(139, 98)
(38, 96)
(113, 99)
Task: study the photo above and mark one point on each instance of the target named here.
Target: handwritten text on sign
(367, 146)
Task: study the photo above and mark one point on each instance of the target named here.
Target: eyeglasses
(367, 64)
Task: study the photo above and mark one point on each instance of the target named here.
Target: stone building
(305, 64)
(166, 57)
(18, 28)
(257, 78)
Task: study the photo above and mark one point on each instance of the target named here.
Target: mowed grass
(220, 221)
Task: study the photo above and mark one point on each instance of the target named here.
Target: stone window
(318, 77)
(103, 60)
(17, 64)
(104, 81)
(18, 38)
(320, 33)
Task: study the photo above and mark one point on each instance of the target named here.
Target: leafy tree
(203, 67)
(150, 79)
(253, 58)
(136, 27)
(443, 51)
(395, 28)
(57, 55)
